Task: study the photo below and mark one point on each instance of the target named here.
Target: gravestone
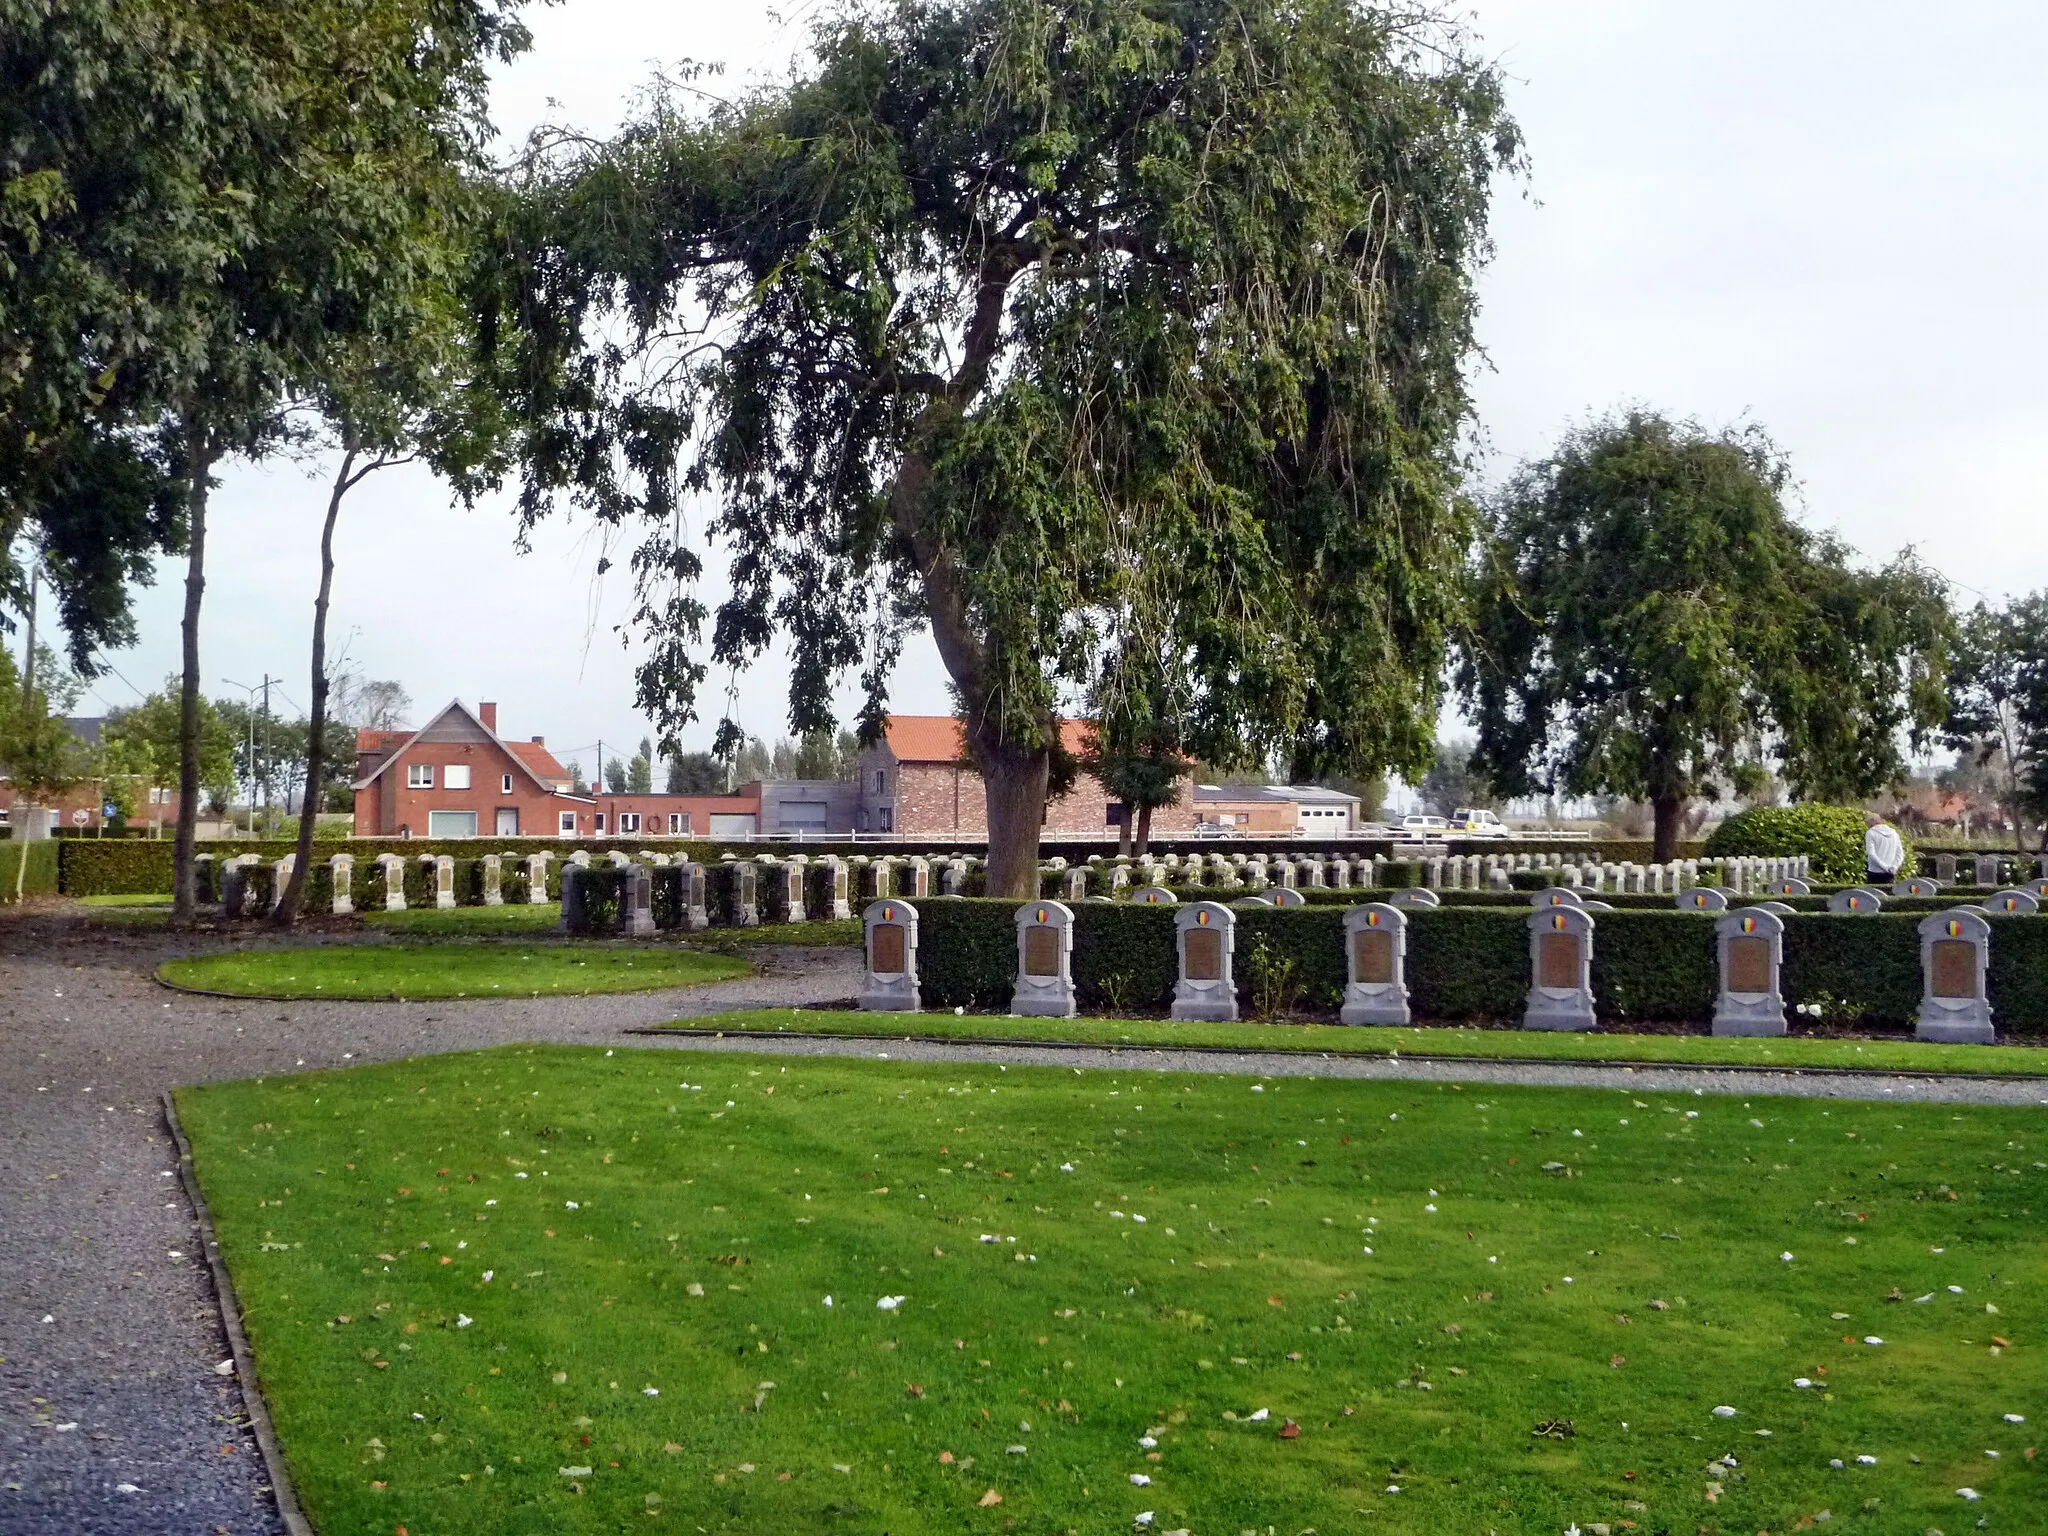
(953, 878)
(1984, 869)
(1752, 953)
(890, 981)
(494, 876)
(1918, 885)
(882, 878)
(2041, 866)
(2038, 889)
(1955, 953)
(1251, 901)
(1858, 899)
(1154, 896)
(1945, 868)
(1313, 867)
(696, 897)
(1778, 907)
(280, 877)
(1205, 943)
(1285, 896)
(636, 901)
(746, 894)
(838, 902)
(444, 881)
(234, 890)
(1416, 899)
(537, 879)
(1376, 965)
(1561, 969)
(618, 859)
(1075, 886)
(1790, 885)
(1045, 957)
(1497, 880)
(341, 871)
(1119, 879)
(1557, 896)
(391, 870)
(575, 916)
(790, 879)
(2012, 904)
(919, 879)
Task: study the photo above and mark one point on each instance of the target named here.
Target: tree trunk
(199, 446)
(1124, 823)
(1144, 828)
(1669, 811)
(1014, 779)
(287, 912)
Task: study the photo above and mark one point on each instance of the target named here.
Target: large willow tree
(1119, 341)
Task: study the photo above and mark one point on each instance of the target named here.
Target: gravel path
(112, 1418)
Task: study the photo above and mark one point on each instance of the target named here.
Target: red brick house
(456, 777)
(919, 782)
(735, 815)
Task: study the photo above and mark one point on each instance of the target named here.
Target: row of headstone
(1982, 868)
(1954, 954)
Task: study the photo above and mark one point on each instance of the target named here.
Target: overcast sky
(1826, 216)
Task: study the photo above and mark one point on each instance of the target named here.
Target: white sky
(1824, 215)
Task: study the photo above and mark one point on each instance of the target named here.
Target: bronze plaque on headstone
(1955, 968)
(887, 939)
(1202, 954)
(1041, 952)
(1749, 965)
(1372, 956)
(1558, 964)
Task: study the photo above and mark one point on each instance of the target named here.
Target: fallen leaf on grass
(1290, 1430)
(989, 1500)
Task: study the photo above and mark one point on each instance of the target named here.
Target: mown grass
(1421, 1040)
(467, 922)
(547, 1290)
(399, 971)
(125, 901)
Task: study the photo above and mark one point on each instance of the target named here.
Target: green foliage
(1647, 618)
(447, 970)
(1123, 344)
(38, 753)
(39, 878)
(694, 773)
(1830, 835)
(1998, 701)
(1453, 782)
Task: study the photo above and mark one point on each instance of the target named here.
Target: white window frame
(419, 775)
(455, 776)
(678, 823)
(565, 824)
(505, 784)
(597, 823)
(629, 821)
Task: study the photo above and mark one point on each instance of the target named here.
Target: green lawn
(1439, 1040)
(125, 901)
(546, 1290)
(447, 970)
(472, 922)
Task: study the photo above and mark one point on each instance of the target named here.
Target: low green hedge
(1470, 962)
(40, 878)
(1829, 835)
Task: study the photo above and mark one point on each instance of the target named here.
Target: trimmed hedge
(1470, 962)
(40, 878)
(1830, 835)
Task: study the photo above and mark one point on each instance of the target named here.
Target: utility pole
(257, 773)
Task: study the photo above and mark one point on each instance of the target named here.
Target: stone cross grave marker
(1752, 952)
(1376, 962)
(1955, 955)
(1561, 969)
(1205, 939)
(890, 983)
(1045, 956)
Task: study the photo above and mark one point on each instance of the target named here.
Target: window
(455, 776)
(566, 825)
(881, 782)
(629, 821)
(1115, 812)
(505, 785)
(679, 822)
(451, 823)
(886, 817)
(598, 821)
(419, 775)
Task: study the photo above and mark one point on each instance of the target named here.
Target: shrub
(40, 878)
(1829, 835)
(595, 901)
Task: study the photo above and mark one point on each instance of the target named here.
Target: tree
(368, 704)
(1452, 782)
(41, 756)
(752, 763)
(1056, 325)
(1141, 767)
(1649, 623)
(695, 773)
(640, 776)
(149, 731)
(615, 776)
(1998, 706)
(577, 786)
(822, 754)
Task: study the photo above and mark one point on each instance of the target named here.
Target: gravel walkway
(112, 1418)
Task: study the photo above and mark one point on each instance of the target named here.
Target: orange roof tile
(941, 738)
(539, 761)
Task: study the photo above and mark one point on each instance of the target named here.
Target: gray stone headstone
(280, 877)
(1285, 896)
(1376, 965)
(636, 901)
(1790, 885)
(919, 879)
(1945, 868)
(1955, 954)
(1751, 948)
(1154, 896)
(839, 903)
(2038, 889)
(2012, 904)
(391, 870)
(1984, 869)
(1918, 885)
(889, 984)
(1075, 886)
(696, 897)
(580, 857)
(341, 870)
(1778, 907)
(494, 881)
(1561, 970)
(444, 881)
(537, 879)
(1857, 899)
(618, 859)
(234, 890)
(1045, 960)
(1205, 943)
(953, 878)
(1415, 897)
(746, 894)
(791, 879)
(1558, 896)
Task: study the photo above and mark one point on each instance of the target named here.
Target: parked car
(1472, 822)
(1424, 826)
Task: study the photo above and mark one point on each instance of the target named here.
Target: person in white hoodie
(1884, 851)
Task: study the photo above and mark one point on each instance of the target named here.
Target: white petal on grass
(463, 1320)
(1140, 1480)
(1786, 1256)
(1866, 1461)
(1260, 1417)
(1724, 1412)
(2015, 1418)
(1968, 1493)
(889, 1303)
(1872, 1339)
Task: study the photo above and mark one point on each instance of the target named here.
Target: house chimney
(488, 713)
(540, 741)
